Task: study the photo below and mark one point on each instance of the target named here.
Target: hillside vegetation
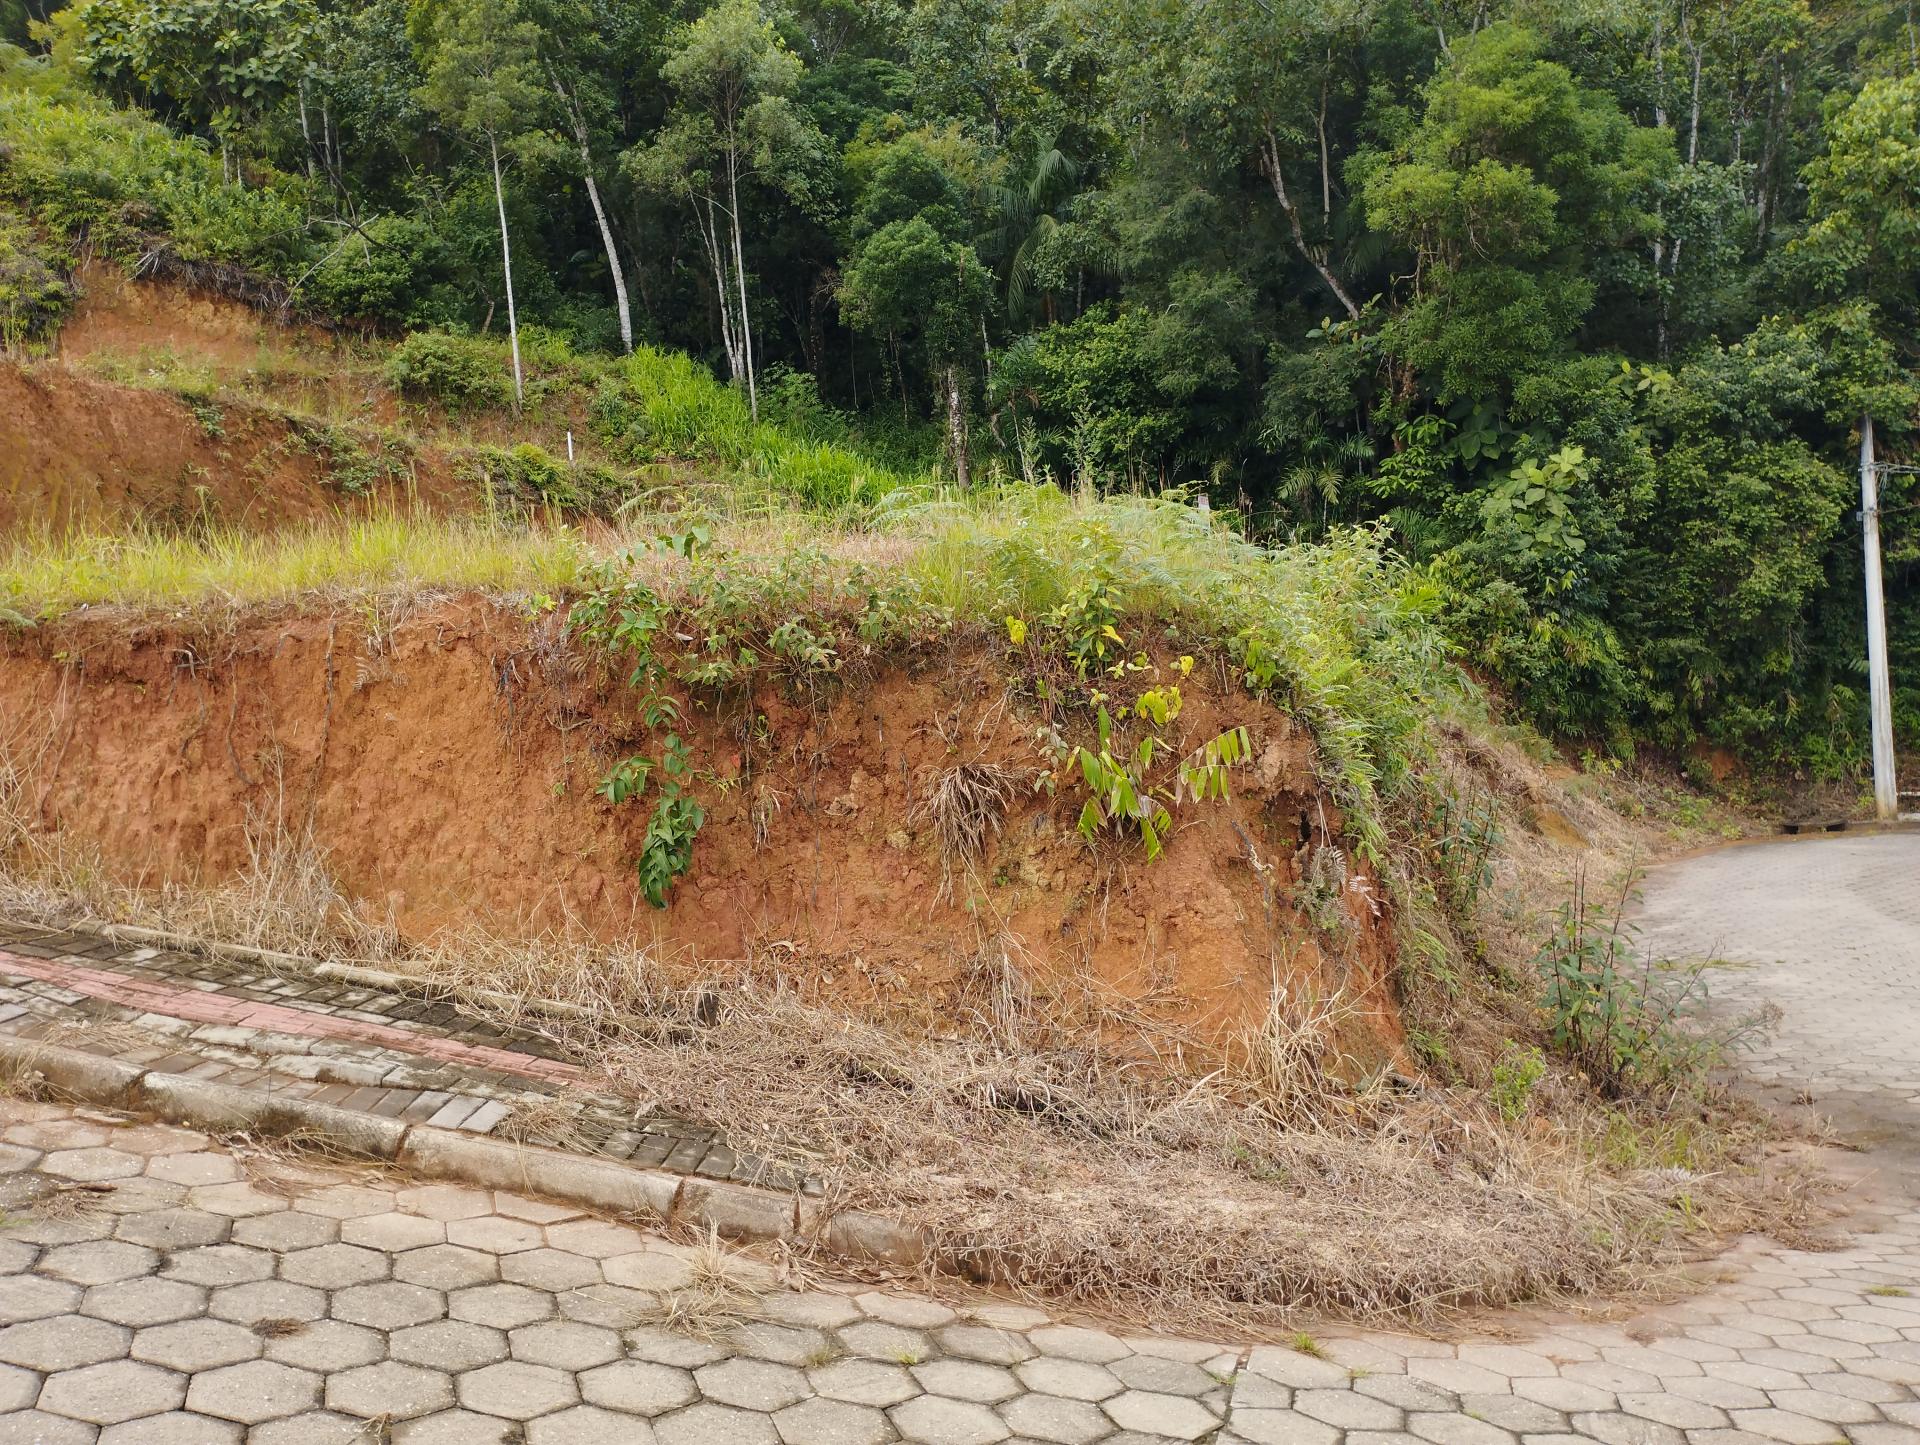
(1583, 305)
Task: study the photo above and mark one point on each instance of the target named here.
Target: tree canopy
(1581, 304)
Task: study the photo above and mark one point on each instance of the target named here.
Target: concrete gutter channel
(649, 1196)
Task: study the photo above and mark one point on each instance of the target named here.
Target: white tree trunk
(709, 227)
(1271, 156)
(600, 216)
(506, 266)
(740, 282)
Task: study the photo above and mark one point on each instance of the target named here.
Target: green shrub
(1632, 1026)
(83, 167)
(1516, 1074)
(463, 373)
(530, 476)
(380, 276)
(34, 296)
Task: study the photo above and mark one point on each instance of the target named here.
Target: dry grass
(291, 1164)
(546, 1120)
(50, 1200)
(1048, 1144)
(717, 1299)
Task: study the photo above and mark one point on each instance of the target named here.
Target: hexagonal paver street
(196, 1297)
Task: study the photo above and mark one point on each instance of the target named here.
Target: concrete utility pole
(1886, 796)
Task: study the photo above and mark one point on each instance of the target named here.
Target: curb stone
(735, 1211)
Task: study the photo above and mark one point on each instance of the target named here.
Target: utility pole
(1886, 797)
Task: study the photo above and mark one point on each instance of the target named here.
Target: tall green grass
(47, 576)
(659, 406)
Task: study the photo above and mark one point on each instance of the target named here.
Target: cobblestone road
(156, 1289)
(1829, 930)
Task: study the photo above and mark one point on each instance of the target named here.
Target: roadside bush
(382, 275)
(1632, 1026)
(1516, 1074)
(463, 373)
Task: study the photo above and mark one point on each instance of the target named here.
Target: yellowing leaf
(1017, 631)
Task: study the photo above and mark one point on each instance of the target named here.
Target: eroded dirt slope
(78, 451)
(448, 761)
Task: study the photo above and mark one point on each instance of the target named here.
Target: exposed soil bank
(448, 760)
(77, 451)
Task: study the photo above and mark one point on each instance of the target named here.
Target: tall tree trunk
(506, 267)
(306, 131)
(957, 424)
(600, 216)
(740, 280)
(1693, 118)
(1326, 157)
(1270, 157)
(1660, 67)
(716, 257)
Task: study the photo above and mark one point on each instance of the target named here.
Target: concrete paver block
(446, 1267)
(589, 1425)
(326, 1346)
(334, 1266)
(296, 1229)
(863, 1382)
(1175, 1416)
(393, 1231)
(935, 1420)
(967, 1380)
(1056, 1419)
(393, 1389)
(707, 1424)
(256, 1391)
(194, 1345)
(390, 1306)
(267, 1299)
(752, 1384)
(147, 1301)
(831, 1422)
(516, 1391)
(639, 1387)
(66, 1342)
(116, 1390)
(176, 1427)
(450, 1345)
(564, 1344)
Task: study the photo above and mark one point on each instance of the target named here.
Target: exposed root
(966, 804)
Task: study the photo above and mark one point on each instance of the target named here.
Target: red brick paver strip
(210, 1008)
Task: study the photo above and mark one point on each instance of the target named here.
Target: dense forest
(1580, 302)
